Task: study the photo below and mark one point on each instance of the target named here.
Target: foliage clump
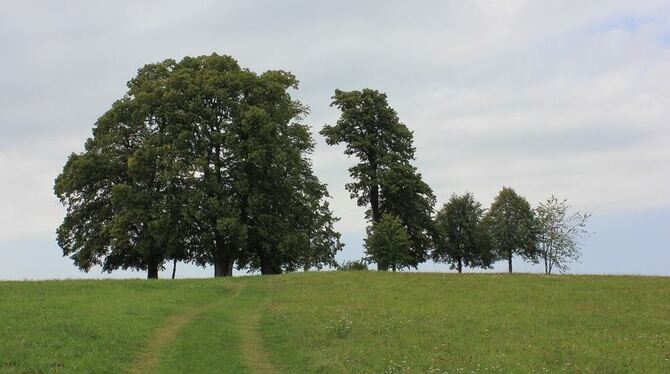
(207, 162)
(510, 226)
(356, 265)
(462, 240)
(388, 242)
(200, 161)
(384, 179)
(560, 234)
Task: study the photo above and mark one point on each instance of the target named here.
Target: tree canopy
(388, 242)
(384, 180)
(560, 233)
(461, 239)
(200, 161)
(510, 226)
(207, 162)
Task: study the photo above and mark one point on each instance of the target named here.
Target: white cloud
(570, 98)
(29, 207)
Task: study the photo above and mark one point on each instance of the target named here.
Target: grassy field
(358, 322)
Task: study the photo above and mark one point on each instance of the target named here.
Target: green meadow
(339, 322)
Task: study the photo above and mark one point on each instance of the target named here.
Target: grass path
(222, 331)
(166, 335)
(252, 345)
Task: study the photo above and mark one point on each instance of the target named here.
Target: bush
(359, 265)
(388, 244)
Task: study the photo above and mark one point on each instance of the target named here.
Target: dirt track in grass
(255, 355)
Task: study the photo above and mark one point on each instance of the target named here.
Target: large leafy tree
(384, 180)
(203, 97)
(262, 205)
(282, 204)
(510, 226)
(201, 161)
(560, 233)
(124, 193)
(461, 239)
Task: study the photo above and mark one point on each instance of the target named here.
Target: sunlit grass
(344, 322)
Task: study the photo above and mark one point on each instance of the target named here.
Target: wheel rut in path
(251, 343)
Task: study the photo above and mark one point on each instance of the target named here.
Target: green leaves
(462, 239)
(388, 243)
(200, 161)
(510, 225)
(384, 178)
(560, 233)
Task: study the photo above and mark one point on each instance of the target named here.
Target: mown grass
(420, 323)
(87, 326)
(343, 322)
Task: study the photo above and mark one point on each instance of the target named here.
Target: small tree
(461, 238)
(510, 225)
(389, 243)
(560, 234)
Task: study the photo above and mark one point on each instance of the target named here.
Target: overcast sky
(570, 98)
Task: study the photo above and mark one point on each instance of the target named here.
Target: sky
(564, 98)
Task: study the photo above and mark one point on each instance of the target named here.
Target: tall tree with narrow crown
(384, 179)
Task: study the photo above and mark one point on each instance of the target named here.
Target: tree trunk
(268, 268)
(218, 267)
(374, 203)
(174, 268)
(223, 257)
(152, 270)
(376, 213)
(509, 261)
(229, 269)
(460, 265)
(223, 266)
(374, 187)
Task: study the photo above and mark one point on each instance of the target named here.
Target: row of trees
(206, 162)
(473, 237)
(402, 232)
